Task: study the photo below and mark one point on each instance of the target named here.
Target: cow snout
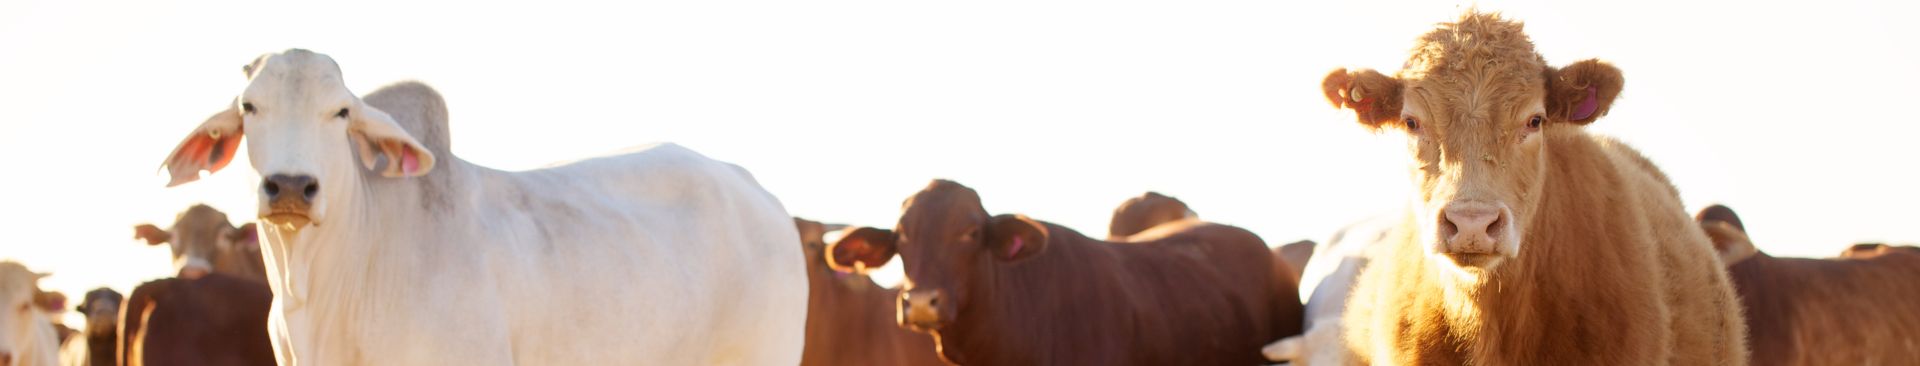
(282, 186)
(920, 309)
(289, 197)
(1472, 228)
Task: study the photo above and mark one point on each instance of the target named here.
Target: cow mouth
(288, 219)
(1480, 261)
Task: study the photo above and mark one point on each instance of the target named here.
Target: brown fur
(213, 320)
(1853, 310)
(1603, 266)
(1013, 291)
(850, 320)
(1144, 212)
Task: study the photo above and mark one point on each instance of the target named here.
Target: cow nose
(1471, 227)
(300, 186)
(920, 308)
(6, 358)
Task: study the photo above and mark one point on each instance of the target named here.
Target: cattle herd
(1529, 242)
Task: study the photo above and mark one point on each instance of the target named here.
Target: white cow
(1325, 284)
(27, 337)
(657, 256)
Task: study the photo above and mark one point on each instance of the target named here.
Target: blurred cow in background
(1854, 310)
(27, 335)
(203, 242)
(850, 320)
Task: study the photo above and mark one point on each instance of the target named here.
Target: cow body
(657, 255)
(1199, 293)
(215, 320)
(1529, 241)
(1852, 310)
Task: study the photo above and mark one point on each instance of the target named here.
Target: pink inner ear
(408, 162)
(1015, 248)
(1588, 105)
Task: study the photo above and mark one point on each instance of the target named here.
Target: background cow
(1008, 290)
(204, 242)
(214, 320)
(1145, 212)
(27, 337)
(850, 320)
(96, 344)
(375, 238)
(1854, 310)
(1531, 242)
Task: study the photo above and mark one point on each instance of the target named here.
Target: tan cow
(850, 320)
(1530, 241)
(204, 242)
(1852, 310)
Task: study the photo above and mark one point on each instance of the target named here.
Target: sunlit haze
(1796, 116)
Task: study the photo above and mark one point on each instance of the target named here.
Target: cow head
(1141, 213)
(102, 309)
(198, 236)
(1475, 101)
(946, 239)
(24, 319)
(1729, 236)
(302, 127)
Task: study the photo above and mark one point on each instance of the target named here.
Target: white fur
(25, 330)
(1326, 284)
(659, 256)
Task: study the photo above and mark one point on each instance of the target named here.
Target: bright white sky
(1059, 110)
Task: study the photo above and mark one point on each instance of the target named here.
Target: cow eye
(247, 107)
(1536, 122)
(1412, 124)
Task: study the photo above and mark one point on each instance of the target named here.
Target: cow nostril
(312, 190)
(272, 190)
(935, 301)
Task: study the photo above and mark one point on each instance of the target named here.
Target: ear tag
(1589, 105)
(1017, 244)
(214, 133)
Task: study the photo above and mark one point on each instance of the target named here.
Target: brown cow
(1854, 310)
(96, 344)
(850, 319)
(204, 242)
(212, 320)
(1008, 290)
(1531, 242)
(1145, 212)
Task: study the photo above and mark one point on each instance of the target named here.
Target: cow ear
(245, 237)
(1373, 97)
(153, 234)
(210, 147)
(1015, 237)
(861, 249)
(52, 302)
(812, 233)
(377, 135)
(1728, 235)
(1583, 91)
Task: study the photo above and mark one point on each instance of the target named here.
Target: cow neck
(1006, 296)
(845, 318)
(370, 228)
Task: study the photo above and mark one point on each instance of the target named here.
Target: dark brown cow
(850, 319)
(213, 320)
(96, 344)
(204, 242)
(1855, 310)
(1008, 290)
(1141, 213)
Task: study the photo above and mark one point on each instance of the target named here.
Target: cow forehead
(296, 75)
(943, 204)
